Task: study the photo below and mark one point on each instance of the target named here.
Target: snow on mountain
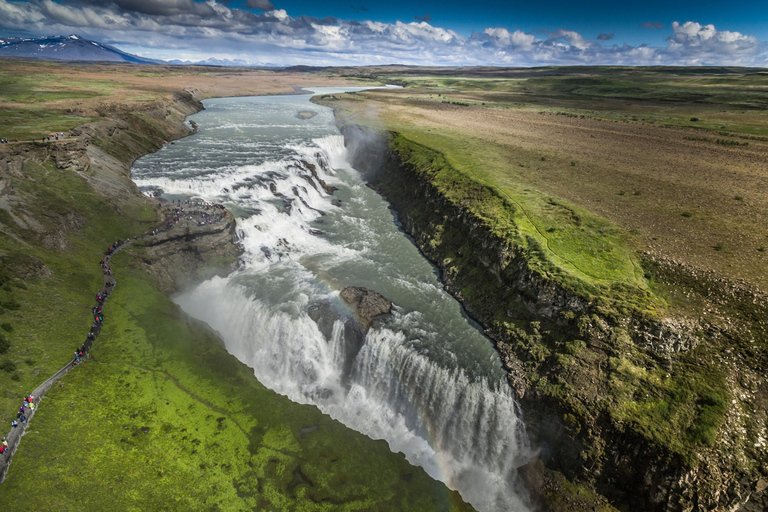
(72, 47)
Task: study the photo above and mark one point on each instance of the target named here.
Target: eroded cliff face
(101, 154)
(190, 252)
(579, 366)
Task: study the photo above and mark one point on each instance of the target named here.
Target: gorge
(425, 378)
(646, 387)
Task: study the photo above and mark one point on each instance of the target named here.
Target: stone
(367, 303)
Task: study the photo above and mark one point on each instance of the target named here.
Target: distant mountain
(71, 47)
(213, 62)
(237, 63)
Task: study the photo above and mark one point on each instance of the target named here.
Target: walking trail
(201, 214)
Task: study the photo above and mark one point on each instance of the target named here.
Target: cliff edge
(652, 408)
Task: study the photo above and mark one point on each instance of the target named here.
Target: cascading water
(423, 378)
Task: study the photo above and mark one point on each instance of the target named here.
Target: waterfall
(423, 378)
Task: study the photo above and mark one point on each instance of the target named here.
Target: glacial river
(425, 379)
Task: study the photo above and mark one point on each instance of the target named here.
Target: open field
(38, 99)
(678, 162)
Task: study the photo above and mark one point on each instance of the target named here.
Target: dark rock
(367, 303)
(308, 430)
(311, 168)
(325, 315)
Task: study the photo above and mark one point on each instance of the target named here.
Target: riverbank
(578, 356)
(173, 421)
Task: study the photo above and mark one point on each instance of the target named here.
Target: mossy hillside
(169, 420)
(53, 240)
(677, 408)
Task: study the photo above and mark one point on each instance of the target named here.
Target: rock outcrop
(102, 153)
(367, 303)
(189, 253)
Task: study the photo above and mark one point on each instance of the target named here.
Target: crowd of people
(201, 213)
(47, 138)
(101, 297)
(53, 137)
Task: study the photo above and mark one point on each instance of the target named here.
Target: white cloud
(501, 38)
(693, 43)
(169, 28)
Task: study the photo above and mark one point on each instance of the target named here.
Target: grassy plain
(39, 98)
(160, 417)
(675, 159)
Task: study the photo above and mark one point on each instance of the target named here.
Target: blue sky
(589, 18)
(360, 32)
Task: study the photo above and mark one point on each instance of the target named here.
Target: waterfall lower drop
(423, 378)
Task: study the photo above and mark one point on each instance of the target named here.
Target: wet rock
(313, 170)
(325, 315)
(367, 303)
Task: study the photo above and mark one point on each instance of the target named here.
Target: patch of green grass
(586, 246)
(681, 411)
(28, 123)
(38, 88)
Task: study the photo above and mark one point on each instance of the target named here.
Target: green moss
(176, 422)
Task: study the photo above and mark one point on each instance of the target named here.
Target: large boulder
(367, 303)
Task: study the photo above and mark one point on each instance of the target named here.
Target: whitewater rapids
(425, 378)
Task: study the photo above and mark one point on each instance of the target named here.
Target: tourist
(14, 424)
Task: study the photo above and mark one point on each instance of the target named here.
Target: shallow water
(426, 379)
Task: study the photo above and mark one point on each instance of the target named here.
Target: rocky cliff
(101, 154)
(657, 411)
(190, 252)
